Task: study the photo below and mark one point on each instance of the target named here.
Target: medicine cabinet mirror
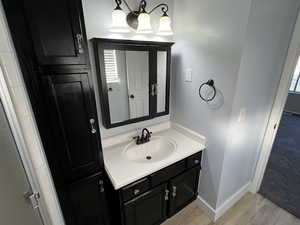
(133, 79)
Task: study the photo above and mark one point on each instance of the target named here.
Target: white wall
(242, 46)
(209, 37)
(270, 28)
(97, 16)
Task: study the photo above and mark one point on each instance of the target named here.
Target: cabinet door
(83, 202)
(57, 30)
(73, 123)
(147, 209)
(161, 62)
(183, 190)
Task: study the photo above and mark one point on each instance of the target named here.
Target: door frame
(277, 108)
(21, 145)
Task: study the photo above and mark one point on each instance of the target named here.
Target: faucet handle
(138, 130)
(138, 139)
(149, 135)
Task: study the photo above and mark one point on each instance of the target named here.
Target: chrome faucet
(144, 138)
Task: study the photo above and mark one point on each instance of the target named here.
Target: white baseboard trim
(209, 211)
(253, 188)
(225, 206)
(215, 214)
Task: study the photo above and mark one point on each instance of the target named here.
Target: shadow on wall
(217, 102)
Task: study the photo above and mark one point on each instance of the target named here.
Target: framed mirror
(133, 79)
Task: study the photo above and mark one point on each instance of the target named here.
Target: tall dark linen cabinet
(51, 44)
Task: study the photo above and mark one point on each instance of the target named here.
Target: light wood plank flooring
(250, 210)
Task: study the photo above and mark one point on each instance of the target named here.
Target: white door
(138, 83)
(15, 208)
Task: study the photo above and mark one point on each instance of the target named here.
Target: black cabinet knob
(131, 96)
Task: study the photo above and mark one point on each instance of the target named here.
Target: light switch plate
(242, 116)
(188, 75)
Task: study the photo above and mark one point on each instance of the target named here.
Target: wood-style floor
(250, 210)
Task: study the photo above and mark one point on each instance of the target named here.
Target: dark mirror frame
(99, 44)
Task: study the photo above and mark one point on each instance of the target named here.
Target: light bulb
(144, 24)
(165, 26)
(119, 24)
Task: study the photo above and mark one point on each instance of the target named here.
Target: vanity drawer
(194, 160)
(135, 189)
(167, 173)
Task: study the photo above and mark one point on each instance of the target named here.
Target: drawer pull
(101, 184)
(174, 191)
(79, 39)
(93, 129)
(136, 191)
(196, 161)
(166, 195)
(152, 89)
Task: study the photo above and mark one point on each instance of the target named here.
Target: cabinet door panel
(183, 190)
(56, 29)
(71, 110)
(83, 202)
(148, 209)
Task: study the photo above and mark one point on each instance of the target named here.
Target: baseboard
(223, 208)
(253, 188)
(209, 211)
(215, 214)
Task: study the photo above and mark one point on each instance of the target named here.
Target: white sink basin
(157, 149)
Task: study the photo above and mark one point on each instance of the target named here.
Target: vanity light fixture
(140, 19)
(119, 24)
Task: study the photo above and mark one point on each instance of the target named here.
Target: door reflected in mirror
(127, 80)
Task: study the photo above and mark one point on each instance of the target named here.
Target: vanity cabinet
(149, 208)
(183, 190)
(153, 199)
(84, 201)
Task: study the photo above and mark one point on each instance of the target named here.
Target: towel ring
(209, 83)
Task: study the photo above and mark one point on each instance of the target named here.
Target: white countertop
(122, 171)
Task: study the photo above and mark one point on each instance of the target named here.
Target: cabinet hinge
(33, 198)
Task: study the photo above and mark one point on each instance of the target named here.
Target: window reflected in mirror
(295, 83)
